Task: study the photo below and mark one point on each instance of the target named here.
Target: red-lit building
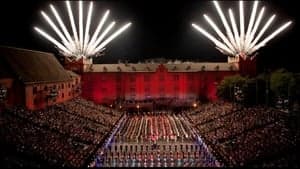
(34, 79)
(189, 81)
(174, 81)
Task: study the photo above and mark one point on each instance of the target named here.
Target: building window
(147, 89)
(218, 78)
(161, 78)
(191, 88)
(132, 90)
(161, 89)
(46, 88)
(147, 78)
(147, 92)
(62, 86)
(176, 77)
(118, 89)
(118, 78)
(62, 95)
(35, 101)
(103, 78)
(34, 90)
(103, 90)
(132, 78)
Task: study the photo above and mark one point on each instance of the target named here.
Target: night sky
(158, 29)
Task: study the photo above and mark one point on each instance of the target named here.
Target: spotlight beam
(109, 39)
(98, 29)
(262, 31)
(255, 27)
(217, 30)
(250, 25)
(267, 39)
(80, 26)
(82, 44)
(242, 25)
(87, 27)
(93, 46)
(59, 45)
(210, 37)
(62, 25)
(238, 42)
(224, 21)
(235, 30)
(72, 22)
(53, 26)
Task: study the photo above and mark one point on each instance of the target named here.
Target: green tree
(229, 84)
(283, 85)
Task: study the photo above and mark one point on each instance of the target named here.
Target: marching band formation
(154, 140)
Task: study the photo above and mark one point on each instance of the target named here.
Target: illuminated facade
(36, 79)
(191, 81)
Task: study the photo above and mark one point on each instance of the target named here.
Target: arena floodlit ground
(155, 140)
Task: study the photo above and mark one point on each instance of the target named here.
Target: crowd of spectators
(66, 134)
(209, 112)
(70, 134)
(241, 136)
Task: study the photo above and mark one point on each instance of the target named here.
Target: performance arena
(159, 114)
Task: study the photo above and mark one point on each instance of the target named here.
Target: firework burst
(80, 44)
(244, 42)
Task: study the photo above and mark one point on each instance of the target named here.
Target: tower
(245, 65)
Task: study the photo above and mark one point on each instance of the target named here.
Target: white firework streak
(239, 42)
(80, 45)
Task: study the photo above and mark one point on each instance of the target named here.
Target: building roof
(31, 66)
(171, 67)
(72, 74)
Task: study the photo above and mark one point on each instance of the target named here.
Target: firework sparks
(80, 45)
(243, 42)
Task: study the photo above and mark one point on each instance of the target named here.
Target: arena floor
(161, 140)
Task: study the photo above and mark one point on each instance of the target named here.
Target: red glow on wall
(105, 87)
(247, 67)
